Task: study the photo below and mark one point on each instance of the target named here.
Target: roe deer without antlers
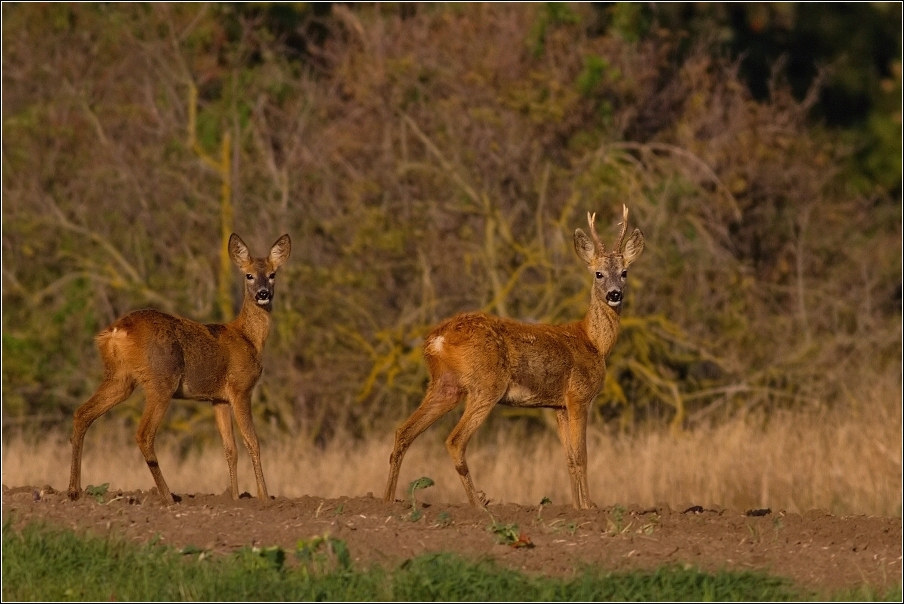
(172, 357)
(490, 361)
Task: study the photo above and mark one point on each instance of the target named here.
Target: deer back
(526, 364)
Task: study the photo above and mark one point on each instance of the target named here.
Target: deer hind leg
(572, 428)
(223, 414)
(112, 391)
(477, 408)
(442, 396)
(242, 411)
(156, 403)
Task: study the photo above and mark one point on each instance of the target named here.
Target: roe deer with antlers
(490, 360)
(172, 357)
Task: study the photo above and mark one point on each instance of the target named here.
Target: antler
(624, 229)
(600, 247)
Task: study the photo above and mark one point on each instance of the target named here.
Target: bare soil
(815, 549)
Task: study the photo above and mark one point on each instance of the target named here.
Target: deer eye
(599, 275)
(249, 276)
(624, 274)
(271, 276)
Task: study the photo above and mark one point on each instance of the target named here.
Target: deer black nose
(262, 295)
(614, 297)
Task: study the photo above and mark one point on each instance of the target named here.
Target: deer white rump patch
(435, 346)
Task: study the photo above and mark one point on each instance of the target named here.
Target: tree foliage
(429, 159)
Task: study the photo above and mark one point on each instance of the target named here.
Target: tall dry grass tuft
(846, 461)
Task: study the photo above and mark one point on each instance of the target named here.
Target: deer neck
(601, 325)
(253, 322)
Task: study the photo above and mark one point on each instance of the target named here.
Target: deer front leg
(572, 428)
(242, 410)
(223, 414)
(564, 433)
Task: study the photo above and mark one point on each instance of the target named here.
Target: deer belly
(518, 395)
(200, 390)
(203, 383)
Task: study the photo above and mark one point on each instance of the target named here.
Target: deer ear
(633, 248)
(238, 251)
(279, 253)
(584, 246)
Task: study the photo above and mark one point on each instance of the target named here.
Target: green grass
(50, 564)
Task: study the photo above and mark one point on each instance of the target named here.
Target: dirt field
(815, 549)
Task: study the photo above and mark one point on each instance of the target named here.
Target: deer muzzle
(263, 297)
(614, 297)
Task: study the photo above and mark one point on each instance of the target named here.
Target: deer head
(260, 273)
(610, 270)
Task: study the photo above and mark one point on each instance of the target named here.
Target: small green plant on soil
(569, 526)
(421, 483)
(509, 534)
(444, 519)
(616, 521)
(649, 527)
(98, 491)
(652, 521)
(556, 525)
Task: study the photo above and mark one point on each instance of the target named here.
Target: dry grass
(845, 461)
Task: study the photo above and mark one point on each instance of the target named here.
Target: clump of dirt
(816, 550)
